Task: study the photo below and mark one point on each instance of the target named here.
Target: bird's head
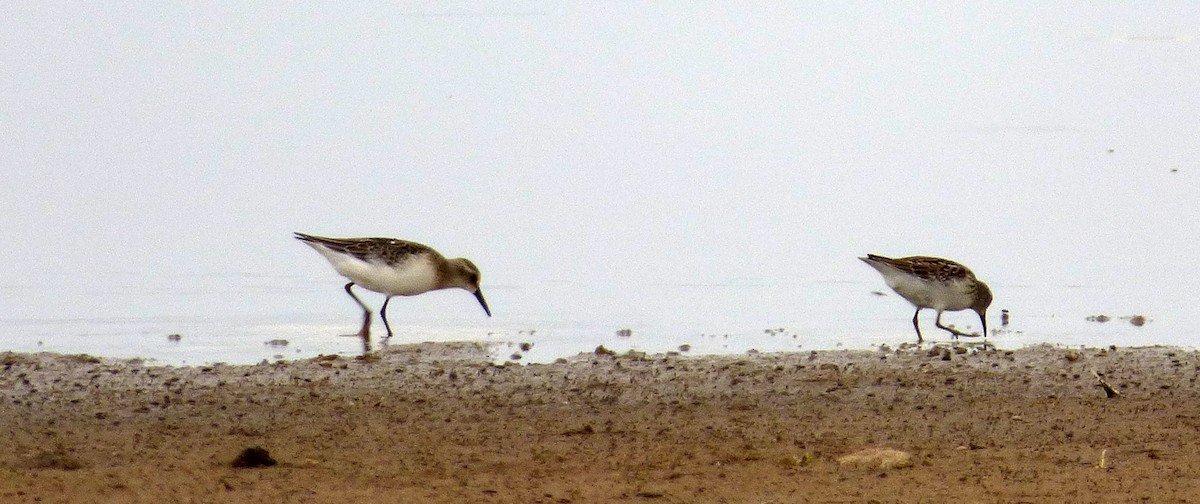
(465, 275)
(983, 299)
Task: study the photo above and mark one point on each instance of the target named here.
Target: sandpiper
(394, 268)
(932, 282)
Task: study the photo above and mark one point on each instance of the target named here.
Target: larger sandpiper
(933, 282)
(394, 268)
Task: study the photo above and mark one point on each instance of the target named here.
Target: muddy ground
(441, 423)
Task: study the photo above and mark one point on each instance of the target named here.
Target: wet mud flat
(442, 423)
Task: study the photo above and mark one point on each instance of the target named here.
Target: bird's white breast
(951, 296)
(414, 276)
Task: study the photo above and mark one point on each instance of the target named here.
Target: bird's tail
(875, 259)
(307, 238)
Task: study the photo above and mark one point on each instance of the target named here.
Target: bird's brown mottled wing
(389, 250)
(933, 268)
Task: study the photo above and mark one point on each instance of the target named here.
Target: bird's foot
(955, 333)
(366, 339)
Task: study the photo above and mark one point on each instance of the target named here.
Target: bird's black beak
(482, 302)
(983, 319)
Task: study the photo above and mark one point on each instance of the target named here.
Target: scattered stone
(793, 461)
(277, 343)
(602, 350)
(636, 355)
(877, 459)
(254, 456)
(174, 338)
(625, 333)
(1136, 320)
(56, 459)
(85, 359)
(367, 357)
(582, 431)
(525, 346)
(685, 347)
(1004, 317)
(1109, 391)
(1072, 356)
(9, 359)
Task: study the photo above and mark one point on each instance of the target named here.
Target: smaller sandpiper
(394, 268)
(932, 282)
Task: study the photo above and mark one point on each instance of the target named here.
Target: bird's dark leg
(383, 315)
(365, 332)
(917, 326)
(955, 332)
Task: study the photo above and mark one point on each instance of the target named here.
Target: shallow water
(557, 320)
(695, 175)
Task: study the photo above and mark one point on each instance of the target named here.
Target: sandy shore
(439, 423)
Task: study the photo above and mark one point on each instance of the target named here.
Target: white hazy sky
(606, 142)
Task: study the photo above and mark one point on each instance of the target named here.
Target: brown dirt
(438, 423)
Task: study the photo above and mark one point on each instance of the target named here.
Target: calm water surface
(133, 319)
(696, 174)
